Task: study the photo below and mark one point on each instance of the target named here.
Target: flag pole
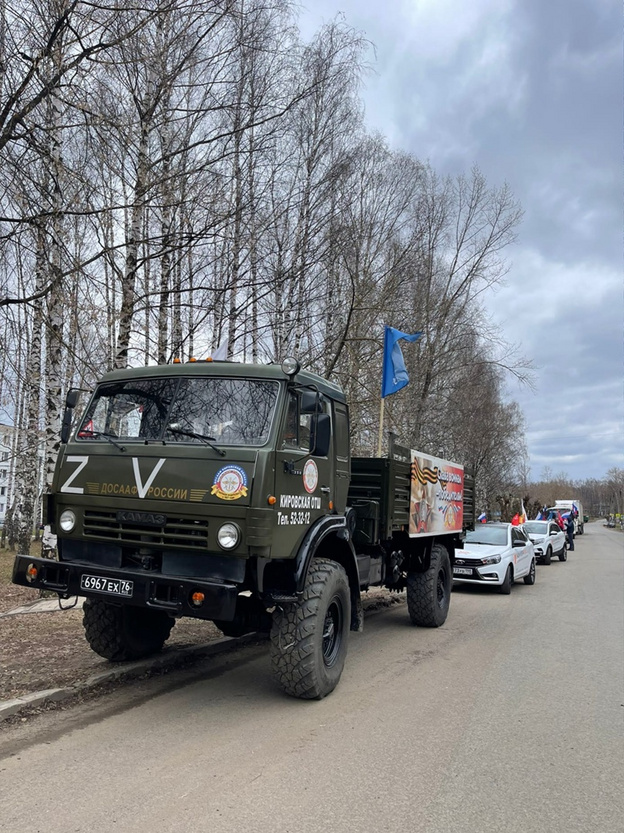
(381, 417)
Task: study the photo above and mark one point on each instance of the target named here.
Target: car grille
(176, 532)
(469, 562)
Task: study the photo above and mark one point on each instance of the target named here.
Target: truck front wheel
(124, 632)
(309, 637)
(429, 593)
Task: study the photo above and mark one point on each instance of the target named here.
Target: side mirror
(517, 543)
(320, 435)
(309, 401)
(71, 400)
(66, 425)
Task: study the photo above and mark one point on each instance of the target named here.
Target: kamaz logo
(144, 518)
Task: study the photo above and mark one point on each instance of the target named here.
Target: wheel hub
(441, 587)
(332, 632)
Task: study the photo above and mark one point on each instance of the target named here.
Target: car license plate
(103, 584)
(462, 571)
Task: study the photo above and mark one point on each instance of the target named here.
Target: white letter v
(142, 489)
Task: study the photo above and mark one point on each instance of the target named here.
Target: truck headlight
(229, 536)
(67, 521)
(492, 559)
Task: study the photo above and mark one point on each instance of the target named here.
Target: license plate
(102, 584)
(462, 571)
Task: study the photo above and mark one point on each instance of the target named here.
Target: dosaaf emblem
(230, 483)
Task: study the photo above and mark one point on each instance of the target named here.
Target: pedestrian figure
(570, 531)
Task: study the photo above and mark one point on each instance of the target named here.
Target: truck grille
(177, 532)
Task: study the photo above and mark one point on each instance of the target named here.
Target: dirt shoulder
(46, 650)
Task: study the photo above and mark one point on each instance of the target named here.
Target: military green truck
(227, 492)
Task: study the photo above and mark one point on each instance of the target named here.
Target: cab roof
(227, 369)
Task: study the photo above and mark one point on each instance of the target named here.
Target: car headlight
(539, 540)
(67, 521)
(492, 559)
(229, 536)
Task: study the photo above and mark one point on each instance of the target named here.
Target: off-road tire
(429, 593)
(123, 632)
(563, 555)
(548, 556)
(530, 577)
(505, 587)
(309, 637)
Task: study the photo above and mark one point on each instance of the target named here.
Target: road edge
(130, 670)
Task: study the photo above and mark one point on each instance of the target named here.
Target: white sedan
(495, 553)
(548, 540)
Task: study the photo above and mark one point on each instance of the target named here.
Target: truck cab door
(304, 480)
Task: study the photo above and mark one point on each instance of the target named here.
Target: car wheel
(530, 578)
(563, 555)
(505, 587)
(548, 556)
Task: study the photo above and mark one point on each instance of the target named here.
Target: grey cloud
(546, 117)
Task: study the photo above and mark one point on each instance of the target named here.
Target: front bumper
(486, 574)
(150, 589)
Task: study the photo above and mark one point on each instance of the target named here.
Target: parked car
(497, 554)
(548, 540)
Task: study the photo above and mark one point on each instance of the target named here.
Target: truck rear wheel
(429, 594)
(124, 632)
(309, 637)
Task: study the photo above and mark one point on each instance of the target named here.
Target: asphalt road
(509, 718)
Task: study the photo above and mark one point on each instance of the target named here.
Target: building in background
(6, 469)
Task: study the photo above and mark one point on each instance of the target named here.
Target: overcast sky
(530, 91)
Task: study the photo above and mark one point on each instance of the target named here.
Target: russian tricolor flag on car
(482, 518)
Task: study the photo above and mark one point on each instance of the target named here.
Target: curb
(44, 606)
(130, 670)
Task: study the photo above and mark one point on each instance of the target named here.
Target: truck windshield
(226, 411)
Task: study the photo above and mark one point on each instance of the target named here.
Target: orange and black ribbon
(423, 475)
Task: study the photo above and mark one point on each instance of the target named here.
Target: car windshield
(536, 527)
(493, 535)
(187, 410)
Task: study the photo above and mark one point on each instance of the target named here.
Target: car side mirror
(320, 435)
(518, 543)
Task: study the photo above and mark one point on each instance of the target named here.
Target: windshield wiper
(208, 440)
(96, 434)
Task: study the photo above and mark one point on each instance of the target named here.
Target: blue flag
(394, 375)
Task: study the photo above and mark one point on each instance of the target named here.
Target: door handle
(325, 489)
